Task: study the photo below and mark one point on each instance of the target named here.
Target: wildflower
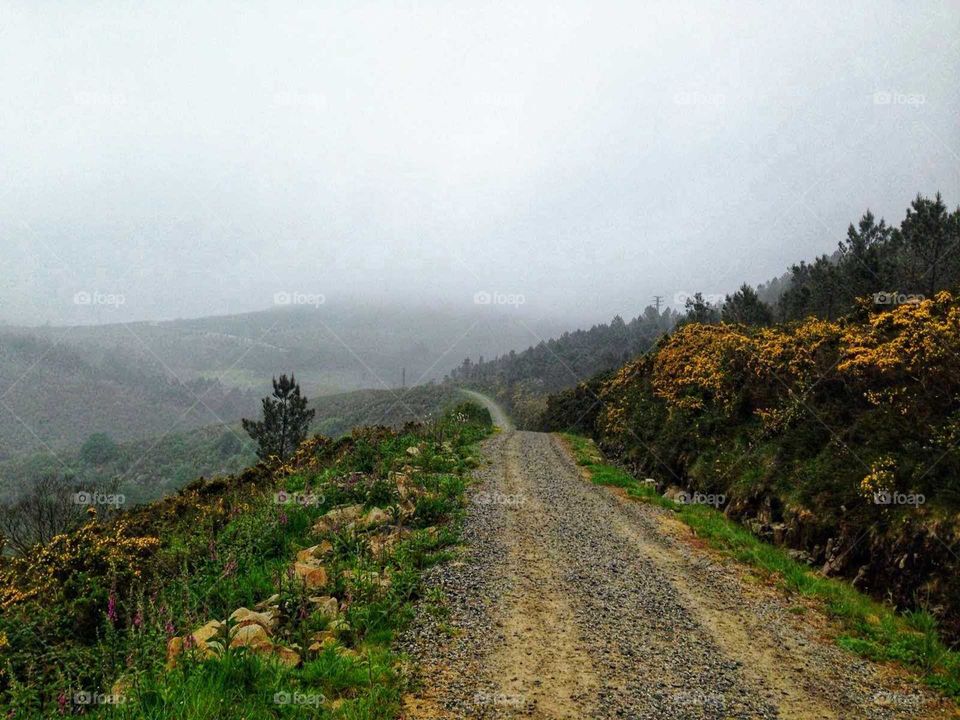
(230, 568)
(112, 608)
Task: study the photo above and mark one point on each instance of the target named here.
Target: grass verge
(867, 627)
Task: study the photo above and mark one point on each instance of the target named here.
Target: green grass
(867, 627)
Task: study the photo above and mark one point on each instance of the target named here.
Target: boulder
(326, 605)
(338, 519)
(211, 631)
(242, 617)
(376, 516)
(315, 552)
(413, 451)
(313, 574)
(253, 637)
(321, 641)
(271, 602)
(204, 642)
(382, 543)
(674, 492)
(287, 656)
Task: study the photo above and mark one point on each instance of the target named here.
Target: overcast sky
(199, 160)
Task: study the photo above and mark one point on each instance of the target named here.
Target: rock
(241, 617)
(326, 605)
(779, 531)
(313, 574)
(322, 640)
(204, 642)
(270, 602)
(339, 518)
(287, 656)
(174, 650)
(383, 543)
(339, 625)
(406, 489)
(252, 636)
(413, 451)
(315, 552)
(376, 516)
(673, 492)
(211, 631)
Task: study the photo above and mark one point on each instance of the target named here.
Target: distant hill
(331, 349)
(53, 396)
(139, 380)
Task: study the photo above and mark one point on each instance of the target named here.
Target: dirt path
(500, 418)
(571, 601)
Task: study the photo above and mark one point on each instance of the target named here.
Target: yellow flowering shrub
(702, 365)
(908, 358)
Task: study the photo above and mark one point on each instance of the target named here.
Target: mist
(173, 162)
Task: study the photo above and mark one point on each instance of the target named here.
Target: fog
(581, 156)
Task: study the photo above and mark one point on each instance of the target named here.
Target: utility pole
(403, 378)
(657, 299)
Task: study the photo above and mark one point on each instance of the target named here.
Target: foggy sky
(199, 160)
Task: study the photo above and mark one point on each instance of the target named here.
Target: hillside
(330, 593)
(56, 395)
(835, 438)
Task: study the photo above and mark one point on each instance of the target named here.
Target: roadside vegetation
(274, 593)
(864, 626)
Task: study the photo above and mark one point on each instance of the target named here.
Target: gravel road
(570, 601)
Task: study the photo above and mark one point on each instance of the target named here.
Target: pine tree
(285, 423)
